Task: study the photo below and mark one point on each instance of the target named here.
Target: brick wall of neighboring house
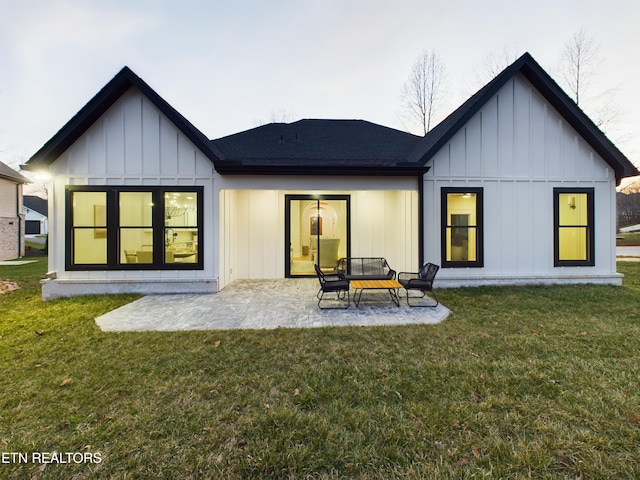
(9, 237)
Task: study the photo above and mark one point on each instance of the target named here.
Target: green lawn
(522, 382)
(628, 239)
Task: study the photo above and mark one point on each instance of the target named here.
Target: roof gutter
(231, 168)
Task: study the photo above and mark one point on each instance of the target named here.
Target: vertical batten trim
(498, 149)
(142, 149)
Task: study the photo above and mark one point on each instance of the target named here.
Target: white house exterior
(35, 222)
(35, 216)
(516, 186)
(517, 149)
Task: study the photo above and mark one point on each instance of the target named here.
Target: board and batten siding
(252, 234)
(132, 144)
(518, 149)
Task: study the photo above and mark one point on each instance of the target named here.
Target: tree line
(628, 205)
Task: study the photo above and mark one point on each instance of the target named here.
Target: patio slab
(261, 304)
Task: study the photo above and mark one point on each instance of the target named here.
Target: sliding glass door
(316, 233)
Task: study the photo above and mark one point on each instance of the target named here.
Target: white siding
(133, 143)
(518, 148)
(252, 238)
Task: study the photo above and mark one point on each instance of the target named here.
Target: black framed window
(134, 228)
(317, 231)
(573, 227)
(462, 227)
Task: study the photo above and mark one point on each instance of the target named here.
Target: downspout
(19, 219)
(420, 219)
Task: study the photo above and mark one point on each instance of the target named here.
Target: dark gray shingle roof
(36, 204)
(10, 174)
(317, 145)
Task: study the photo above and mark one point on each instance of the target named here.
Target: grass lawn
(628, 239)
(522, 382)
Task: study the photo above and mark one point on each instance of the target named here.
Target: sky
(229, 66)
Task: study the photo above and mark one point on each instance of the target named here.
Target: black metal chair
(423, 281)
(332, 283)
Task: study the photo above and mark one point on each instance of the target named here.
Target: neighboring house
(11, 216)
(517, 186)
(35, 211)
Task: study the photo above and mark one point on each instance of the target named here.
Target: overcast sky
(229, 66)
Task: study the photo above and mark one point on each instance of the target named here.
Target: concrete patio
(262, 304)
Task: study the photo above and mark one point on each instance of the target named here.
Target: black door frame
(287, 225)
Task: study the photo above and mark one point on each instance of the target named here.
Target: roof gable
(99, 104)
(318, 146)
(552, 92)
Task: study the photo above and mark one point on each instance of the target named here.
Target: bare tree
(39, 182)
(631, 188)
(628, 204)
(281, 116)
(495, 63)
(578, 67)
(423, 91)
(578, 61)
(39, 186)
(628, 208)
(276, 116)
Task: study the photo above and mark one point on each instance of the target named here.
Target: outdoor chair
(423, 281)
(331, 284)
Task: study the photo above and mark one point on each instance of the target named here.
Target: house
(517, 186)
(35, 211)
(11, 216)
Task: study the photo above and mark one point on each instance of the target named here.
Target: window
(89, 228)
(134, 228)
(32, 227)
(462, 227)
(573, 227)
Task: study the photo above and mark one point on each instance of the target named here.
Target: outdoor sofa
(365, 268)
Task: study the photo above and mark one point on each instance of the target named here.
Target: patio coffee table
(391, 285)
